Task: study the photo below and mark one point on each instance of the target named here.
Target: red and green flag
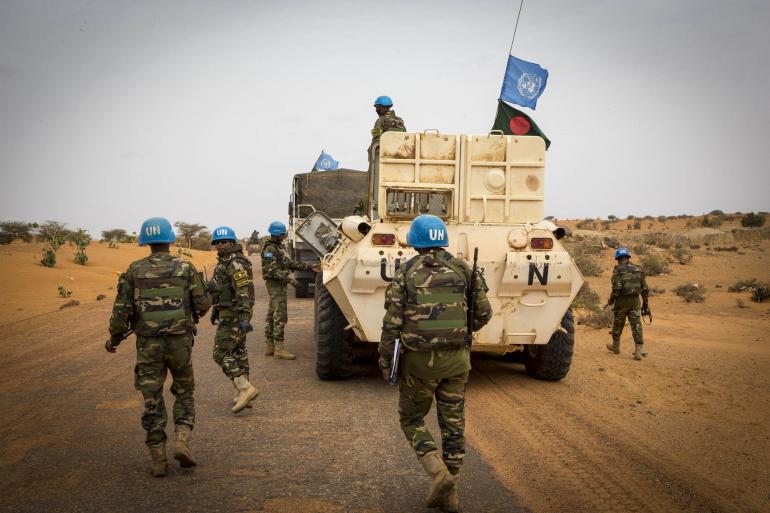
(514, 122)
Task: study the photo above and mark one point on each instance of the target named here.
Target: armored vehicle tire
(333, 344)
(303, 289)
(552, 361)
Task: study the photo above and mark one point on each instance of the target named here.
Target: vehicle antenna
(521, 4)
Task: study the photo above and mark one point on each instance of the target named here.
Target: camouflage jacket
(628, 280)
(388, 122)
(158, 295)
(426, 305)
(276, 263)
(233, 287)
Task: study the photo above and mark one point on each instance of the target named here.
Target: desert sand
(686, 429)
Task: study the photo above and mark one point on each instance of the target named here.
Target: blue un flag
(524, 82)
(325, 162)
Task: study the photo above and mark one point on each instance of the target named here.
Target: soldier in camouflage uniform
(628, 283)
(276, 270)
(387, 121)
(232, 291)
(426, 307)
(160, 298)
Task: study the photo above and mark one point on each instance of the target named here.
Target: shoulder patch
(241, 278)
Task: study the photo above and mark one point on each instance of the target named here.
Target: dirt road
(686, 430)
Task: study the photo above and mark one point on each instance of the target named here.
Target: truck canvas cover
(334, 192)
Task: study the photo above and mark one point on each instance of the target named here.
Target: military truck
(334, 192)
(489, 191)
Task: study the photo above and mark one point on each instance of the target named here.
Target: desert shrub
(741, 285)
(662, 219)
(113, 245)
(708, 222)
(202, 241)
(641, 248)
(654, 265)
(637, 225)
(54, 234)
(587, 298)
(588, 265)
(681, 255)
(81, 240)
(13, 230)
(64, 292)
(694, 246)
(662, 240)
(761, 293)
(189, 231)
(740, 304)
(726, 248)
(716, 213)
(612, 217)
(655, 291)
(630, 217)
(648, 217)
(691, 292)
(114, 235)
(586, 224)
(606, 225)
(752, 220)
(599, 320)
(183, 251)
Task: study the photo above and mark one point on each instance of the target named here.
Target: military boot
(638, 353)
(159, 466)
(246, 393)
(237, 393)
(281, 353)
(451, 502)
(182, 452)
(614, 347)
(270, 347)
(442, 480)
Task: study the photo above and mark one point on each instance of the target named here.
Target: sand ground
(684, 430)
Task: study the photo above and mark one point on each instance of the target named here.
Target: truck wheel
(333, 344)
(552, 361)
(303, 290)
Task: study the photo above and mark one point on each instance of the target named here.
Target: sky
(202, 111)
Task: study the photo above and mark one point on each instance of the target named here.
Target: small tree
(54, 234)
(114, 235)
(13, 230)
(81, 240)
(189, 231)
(752, 220)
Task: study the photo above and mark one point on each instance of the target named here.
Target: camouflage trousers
(276, 316)
(230, 351)
(632, 312)
(155, 356)
(415, 399)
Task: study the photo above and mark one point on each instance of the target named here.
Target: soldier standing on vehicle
(387, 120)
(426, 308)
(160, 298)
(276, 268)
(232, 290)
(628, 283)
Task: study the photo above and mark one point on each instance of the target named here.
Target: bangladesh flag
(514, 122)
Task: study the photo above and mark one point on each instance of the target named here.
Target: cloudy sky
(114, 111)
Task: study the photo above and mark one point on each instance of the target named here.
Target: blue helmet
(156, 230)
(384, 101)
(276, 229)
(622, 252)
(427, 231)
(223, 233)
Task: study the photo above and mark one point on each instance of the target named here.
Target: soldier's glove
(294, 283)
(111, 346)
(245, 326)
(214, 316)
(645, 309)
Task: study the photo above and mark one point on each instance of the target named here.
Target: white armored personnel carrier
(489, 191)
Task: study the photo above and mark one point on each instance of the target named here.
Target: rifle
(471, 294)
(394, 364)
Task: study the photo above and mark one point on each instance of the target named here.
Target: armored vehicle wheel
(303, 290)
(552, 361)
(333, 344)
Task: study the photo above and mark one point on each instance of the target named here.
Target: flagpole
(521, 4)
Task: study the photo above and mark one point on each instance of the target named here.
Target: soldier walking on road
(427, 308)
(160, 298)
(232, 291)
(628, 282)
(276, 268)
